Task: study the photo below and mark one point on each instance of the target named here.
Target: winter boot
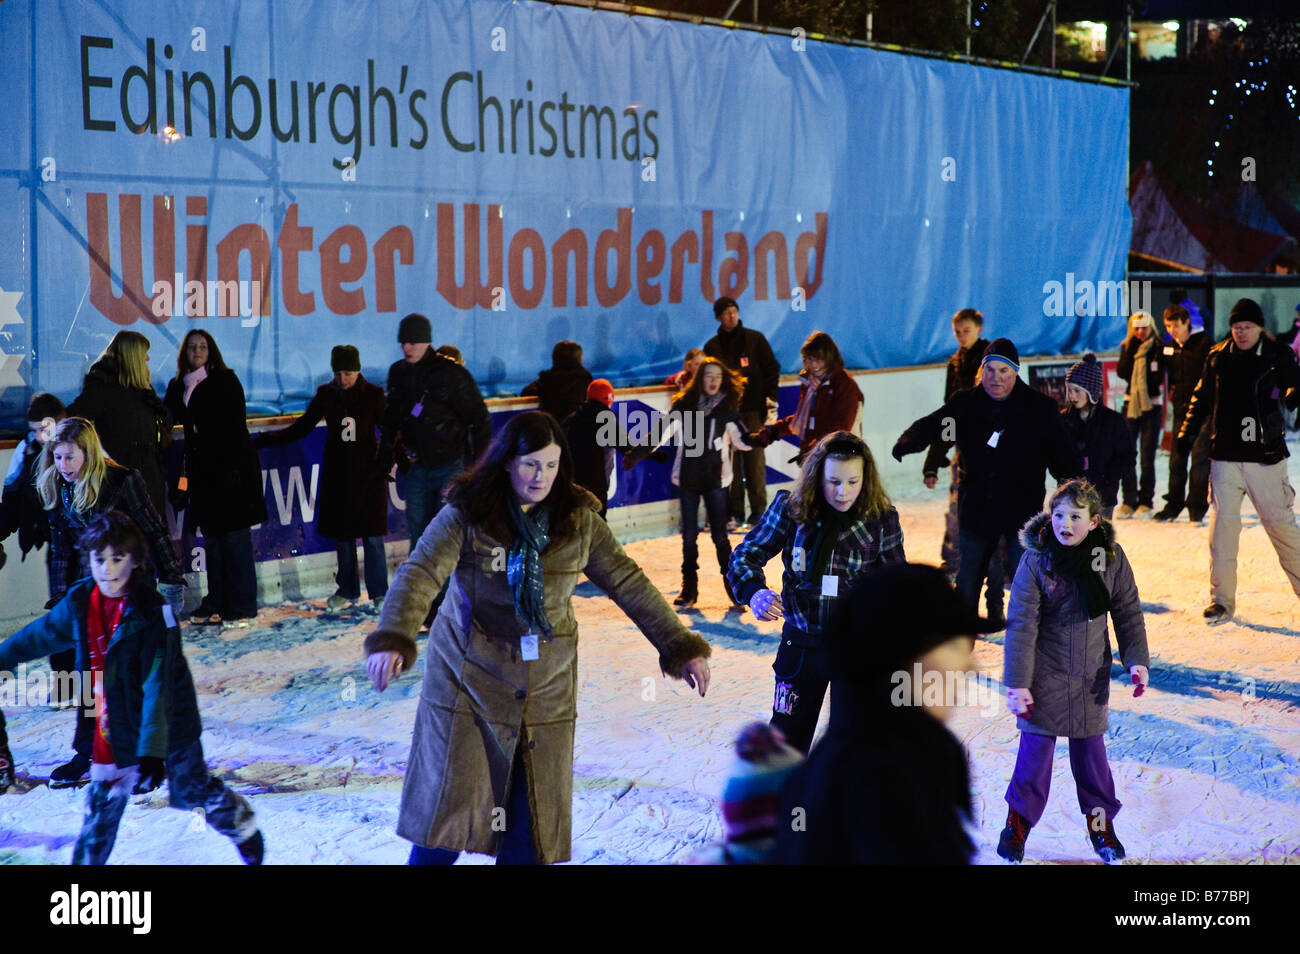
(1106, 844)
(6, 759)
(252, 848)
(70, 773)
(1011, 845)
(1167, 513)
(689, 594)
(1215, 614)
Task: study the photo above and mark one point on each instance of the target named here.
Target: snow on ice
(1207, 762)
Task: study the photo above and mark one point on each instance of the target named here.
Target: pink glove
(1020, 702)
(1141, 676)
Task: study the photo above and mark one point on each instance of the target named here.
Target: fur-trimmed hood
(1036, 534)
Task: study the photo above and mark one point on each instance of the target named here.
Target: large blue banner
(295, 175)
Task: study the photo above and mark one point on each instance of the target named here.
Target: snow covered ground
(1207, 762)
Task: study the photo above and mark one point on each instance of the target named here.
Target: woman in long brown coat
(491, 765)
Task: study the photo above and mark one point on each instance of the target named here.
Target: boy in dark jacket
(1184, 360)
(963, 372)
(1099, 434)
(146, 714)
(353, 499)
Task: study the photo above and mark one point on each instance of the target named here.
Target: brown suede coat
(480, 699)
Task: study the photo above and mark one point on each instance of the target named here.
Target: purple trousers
(1032, 778)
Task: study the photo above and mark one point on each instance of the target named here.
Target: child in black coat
(1099, 434)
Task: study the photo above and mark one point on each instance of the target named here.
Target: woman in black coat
(132, 422)
(353, 500)
(223, 476)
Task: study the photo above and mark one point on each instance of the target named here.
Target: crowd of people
(500, 527)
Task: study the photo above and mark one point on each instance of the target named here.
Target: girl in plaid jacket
(834, 526)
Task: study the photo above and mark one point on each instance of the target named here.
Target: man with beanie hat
(1183, 359)
(747, 351)
(1098, 433)
(1247, 379)
(353, 499)
(434, 412)
(1140, 366)
(888, 783)
(1009, 436)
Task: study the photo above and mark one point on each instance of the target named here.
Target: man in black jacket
(1239, 399)
(434, 407)
(748, 352)
(1184, 360)
(1008, 436)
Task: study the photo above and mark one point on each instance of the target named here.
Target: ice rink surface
(1206, 763)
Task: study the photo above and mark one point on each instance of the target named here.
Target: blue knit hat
(1087, 375)
(1002, 349)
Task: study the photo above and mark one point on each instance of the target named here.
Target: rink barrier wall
(294, 564)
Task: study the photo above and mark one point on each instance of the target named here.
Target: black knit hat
(722, 304)
(46, 405)
(1087, 375)
(345, 358)
(895, 616)
(415, 329)
(1001, 349)
(1246, 309)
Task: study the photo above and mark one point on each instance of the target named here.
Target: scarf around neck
(1076, 563)
(524, 565)
(192, 380)
(824, 538)
(1139, 399)
(807, 398)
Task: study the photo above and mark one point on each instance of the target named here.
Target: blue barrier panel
(295, 175)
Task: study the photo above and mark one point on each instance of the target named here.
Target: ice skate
(1106, 845)
(70, 773)
(1123, 512)
(1216, 614)
(1011, 845)
(337, 602)
(252, 848)
(687, 597)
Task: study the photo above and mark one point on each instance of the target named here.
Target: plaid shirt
(863, 546)
(123, 490)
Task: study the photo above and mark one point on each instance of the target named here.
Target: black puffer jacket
(1105, 447)
(747, 351)
(133, 424)
(1184, 364)
(449, 412)
(1240, 398)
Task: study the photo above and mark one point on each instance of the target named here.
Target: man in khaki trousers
(1247, 379)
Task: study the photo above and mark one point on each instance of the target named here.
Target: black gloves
(152, 772)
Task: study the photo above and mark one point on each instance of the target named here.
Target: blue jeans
(517, 843)
(189, 786)
(376, 568)
(715, 506)
(1139, 492)
(423, 489)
